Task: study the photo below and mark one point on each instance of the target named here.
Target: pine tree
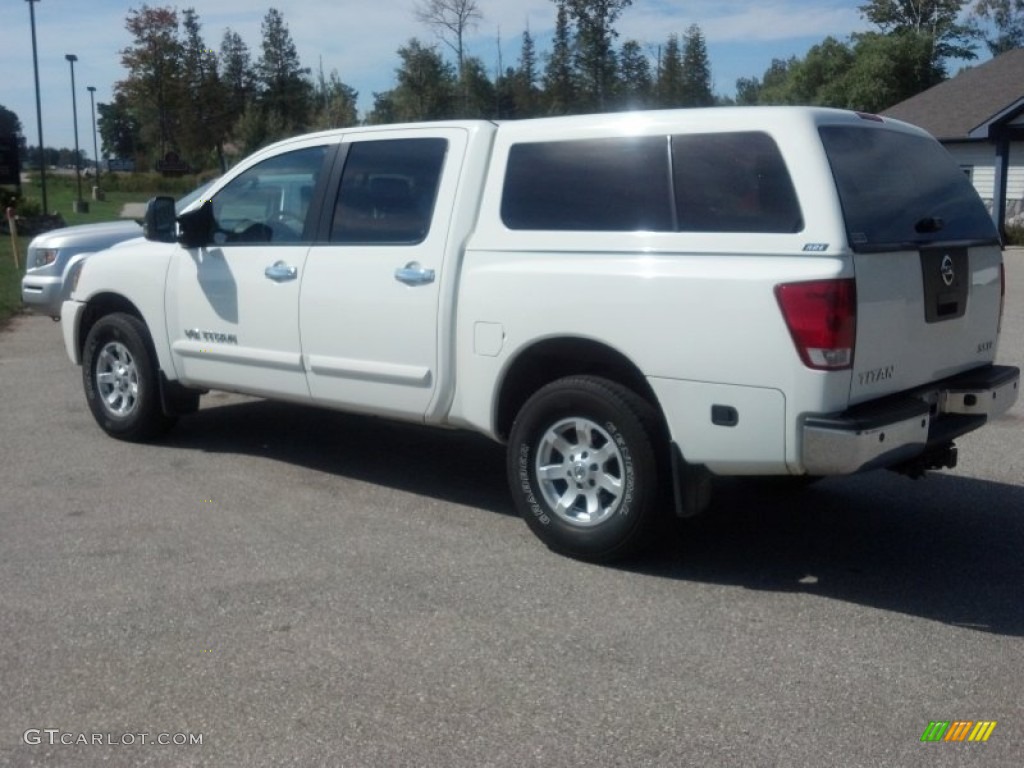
(285, 91)
(524, 79)
(594, 53)
(696, 84)
(205, 126)
(478, 94)
(669, 87)
(559, 83)
(635, 76)
(236, 72)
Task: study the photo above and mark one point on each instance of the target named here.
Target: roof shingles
(955, 107)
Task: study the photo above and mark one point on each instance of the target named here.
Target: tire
(119, 375)
(583, 470)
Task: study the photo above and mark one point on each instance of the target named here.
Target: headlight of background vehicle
(45, 257)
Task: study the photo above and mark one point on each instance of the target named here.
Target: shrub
(25, 206)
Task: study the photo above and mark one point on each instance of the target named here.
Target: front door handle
(280, 272)
(413, 274)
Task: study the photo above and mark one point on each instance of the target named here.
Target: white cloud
(731, 21)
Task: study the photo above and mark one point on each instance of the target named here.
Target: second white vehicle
(54, 258)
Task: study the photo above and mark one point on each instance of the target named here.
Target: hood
(88, 236)
(129, 242)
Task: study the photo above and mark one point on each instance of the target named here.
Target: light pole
(39, 106)
(80, 206)
(97, 193)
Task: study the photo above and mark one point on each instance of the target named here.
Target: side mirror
(195, 228)
(159, 222)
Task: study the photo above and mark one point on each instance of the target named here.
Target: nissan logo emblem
(947, 271)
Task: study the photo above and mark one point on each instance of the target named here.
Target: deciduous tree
(119, 129)
(936, 21)
(335, 102)
(426, 85)
(9, 122)
(885, 70)
(1007, 16)
(450, 20)
(154, 86)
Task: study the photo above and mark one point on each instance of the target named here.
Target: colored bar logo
(958, 730)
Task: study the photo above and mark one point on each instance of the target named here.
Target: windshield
(901, 190)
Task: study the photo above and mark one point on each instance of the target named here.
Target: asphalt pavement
(295, 587)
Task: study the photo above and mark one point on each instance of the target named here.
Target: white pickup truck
(634, 303)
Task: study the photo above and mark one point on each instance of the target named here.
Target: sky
(360, 39)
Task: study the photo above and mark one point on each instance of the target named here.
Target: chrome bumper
(900, 428)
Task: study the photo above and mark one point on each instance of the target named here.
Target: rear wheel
(120, 379)
(582, 467)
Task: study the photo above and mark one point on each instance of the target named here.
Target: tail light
(822, 319)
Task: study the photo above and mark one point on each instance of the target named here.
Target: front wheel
(582, 467)
(120, 379)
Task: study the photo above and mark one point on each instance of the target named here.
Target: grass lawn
(10, 278)
(61, 193)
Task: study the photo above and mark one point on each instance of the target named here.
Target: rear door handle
(279, 272)
(414, 274)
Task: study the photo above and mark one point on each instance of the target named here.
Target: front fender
(126, 279)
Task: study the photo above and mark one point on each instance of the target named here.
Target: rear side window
(721, 182)
(901, 190)
(604, 185)
(388, 190)
(733, 182)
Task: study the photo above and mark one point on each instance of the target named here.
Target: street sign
(120, 164)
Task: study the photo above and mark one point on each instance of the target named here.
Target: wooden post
(13, 226)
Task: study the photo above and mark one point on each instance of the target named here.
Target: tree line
(906, 53)
(210, 106)
(181, 96)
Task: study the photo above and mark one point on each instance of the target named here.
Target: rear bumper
(899, 428)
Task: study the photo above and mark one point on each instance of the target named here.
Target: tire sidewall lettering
(628, 473)
(526, 484)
